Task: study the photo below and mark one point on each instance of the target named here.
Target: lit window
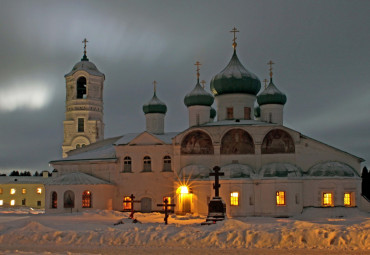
(12, 191)
(24, 191)
(347, 199)
(86, 199)
(229, 113)
(38, 190)
(127, 164)
(126, 203)
(1, 191)
(1, 202)
(167, 164)
(327, 199)
(12, 202)
(234, 198)
(168, 201)
(147, 164)
(280, 197)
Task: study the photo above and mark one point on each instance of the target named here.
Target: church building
(269, 169)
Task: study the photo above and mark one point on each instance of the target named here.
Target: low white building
(269, 169)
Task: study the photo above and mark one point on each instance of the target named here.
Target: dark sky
(321, 50)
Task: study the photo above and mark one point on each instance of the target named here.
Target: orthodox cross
(203, 82)
(84, 42)
(155, 86)
(217, 185)
(270, 63)
(132, 201)
(166, 205)
(265, 81)
(198, 64)
(234, 31)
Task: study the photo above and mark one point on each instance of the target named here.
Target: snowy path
(315, 232)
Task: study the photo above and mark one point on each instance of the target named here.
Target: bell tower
(83, 122)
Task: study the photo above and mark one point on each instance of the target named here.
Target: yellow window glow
(328, 199)
(347, 199)
(280, 197)
(12, 202)
(39, 190)
(12, 191)
(1, 190)
(234, 198)
(24, 191)
(126, 203)
(1, 202)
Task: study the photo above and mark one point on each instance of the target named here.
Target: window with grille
(280, 198)
(127, 203)
(327, 199)
(127, 164)
(86, 199)
(347, 199)
(234, 198)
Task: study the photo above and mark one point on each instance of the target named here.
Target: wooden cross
(234, 30)
(203, 82)
(132, 201)
(84, 42)
(166, 205)
(265, 81)
(155, 86)
(217, 174)
(270, 63)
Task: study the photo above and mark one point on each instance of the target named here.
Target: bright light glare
(183, 190)
(32, 97)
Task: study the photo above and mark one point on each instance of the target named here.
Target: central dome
(235, 79)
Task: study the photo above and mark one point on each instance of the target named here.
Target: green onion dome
(198, 96)
(271, 95)
(85, 65)
(155, 106)
(257, 112)
(212, 114)
(235, 79)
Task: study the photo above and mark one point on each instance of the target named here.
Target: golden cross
(265, 81)
(234, 30)
(155, 86)
(84, 42)
(270, 63)
(203, 82)
(197, 64)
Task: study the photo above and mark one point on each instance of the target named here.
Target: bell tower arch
(83, 122)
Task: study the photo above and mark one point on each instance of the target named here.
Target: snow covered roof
(76, 178)
(127, 138)
(23, 180)
(280, 170)
(86, 66)
(238, 122)
(332, 169)
(237, 171)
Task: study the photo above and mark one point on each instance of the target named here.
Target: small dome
(155, 106)
(85, 65)
(237, 171)
(198, 96)
(271, 95)
(235, 79)
(280, 170)
(332, 169)
(213, 113)
(257, 112)
(195, 172)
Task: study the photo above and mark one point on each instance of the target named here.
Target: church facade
(269, 169)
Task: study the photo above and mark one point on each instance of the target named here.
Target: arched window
(167, 164)
(54, 200)
(197, 142)
(147, 166)
(69, 199)
(81, 87)
(127, 165)
(86, 199)
(277, 141)
(237, 141)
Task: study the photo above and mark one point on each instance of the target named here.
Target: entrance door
(186, 204)
(146, 205)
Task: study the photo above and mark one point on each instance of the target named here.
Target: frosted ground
(316, 231)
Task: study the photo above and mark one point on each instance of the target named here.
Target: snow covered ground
(316, 231)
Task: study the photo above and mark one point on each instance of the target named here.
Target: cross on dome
(84, 58)
(270, 63)
(155, 86)
(198, 64)
(234, 31)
